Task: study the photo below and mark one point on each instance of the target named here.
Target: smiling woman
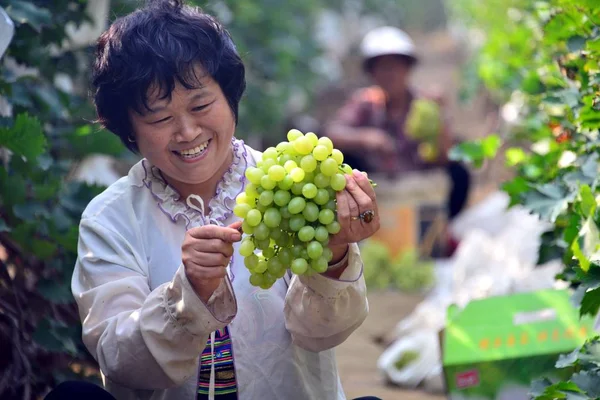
(158, 271)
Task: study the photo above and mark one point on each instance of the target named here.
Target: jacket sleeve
(321, 312)
(142, 339)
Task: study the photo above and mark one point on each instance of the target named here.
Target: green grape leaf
(25, 137)
(590, 302)
(547, 200)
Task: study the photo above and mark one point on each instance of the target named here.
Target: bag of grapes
(289, 208)
(412, 360)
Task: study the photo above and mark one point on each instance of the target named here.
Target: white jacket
(146, 326)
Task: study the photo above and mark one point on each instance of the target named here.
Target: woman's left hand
(357, 211)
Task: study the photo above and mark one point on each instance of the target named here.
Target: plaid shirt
(368, 108)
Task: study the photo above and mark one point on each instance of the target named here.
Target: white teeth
(195, 151)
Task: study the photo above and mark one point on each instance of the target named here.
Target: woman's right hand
(206, 252)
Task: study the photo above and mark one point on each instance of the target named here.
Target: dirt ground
(357, 357)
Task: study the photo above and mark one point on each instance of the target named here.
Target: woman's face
(187, 136)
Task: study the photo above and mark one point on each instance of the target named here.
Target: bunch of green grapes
(289, 208)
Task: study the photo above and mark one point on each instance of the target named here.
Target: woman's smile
(194, 154)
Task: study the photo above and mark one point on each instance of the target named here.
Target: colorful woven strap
(225, 382)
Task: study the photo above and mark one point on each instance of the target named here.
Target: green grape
(276, 233)
(259, 190)
(285, 224)
(247, 228)
(306, 233)
(285, 213)
(338, 182)
(251, 190)
(304, 253)
(338, 156)
(320, 153)
(347, 169)
(246, 247)
(277, 173)
(242, 198)
(320, 265)
(299, 266)
(282, 197)
(254, 174)
(261, 232)
(297, 222)
(325, 141)
(311, 212)
(297, 188)
(297, 174)
(270, 153)
(327, 254)
(282, 240)
(240, 210)
(256, 279)
(266, 183)
(274, 265)
(261, 208)
(266, 198)
(309, 190)
(332, 193)
(263, 244)
(285, 158)
(296, 205)
(321, 181)
(297, 251)
(309, 177)
(334, 227)
(268, 253)
(268, 164)
(286, 183)
(281, 273)
(326, 216)
(314, 139)
(293, 134)
(251, 261)
(328, 167)
(308, 163)
(321, 234)
(285, 256)
(261, 266)
(272, 218)
(283, 147)
(314, 250)
(266, 285)
(290, 165)
(303, 145)
(322, 197)
(331, 205)
(253, 217)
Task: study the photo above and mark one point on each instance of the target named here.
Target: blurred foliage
(43, 134)
(544, 56)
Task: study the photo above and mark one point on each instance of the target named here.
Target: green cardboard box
(495, 347)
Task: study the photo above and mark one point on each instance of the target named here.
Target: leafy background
(543, 57)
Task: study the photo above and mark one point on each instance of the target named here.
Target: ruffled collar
(220, 206)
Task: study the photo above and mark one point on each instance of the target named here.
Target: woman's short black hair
(157, 45)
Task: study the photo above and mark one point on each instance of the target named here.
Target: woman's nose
(189, 130)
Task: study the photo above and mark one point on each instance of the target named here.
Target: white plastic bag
(422, 342)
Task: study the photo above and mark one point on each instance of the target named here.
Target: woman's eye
(161, 120)
(200, 108)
